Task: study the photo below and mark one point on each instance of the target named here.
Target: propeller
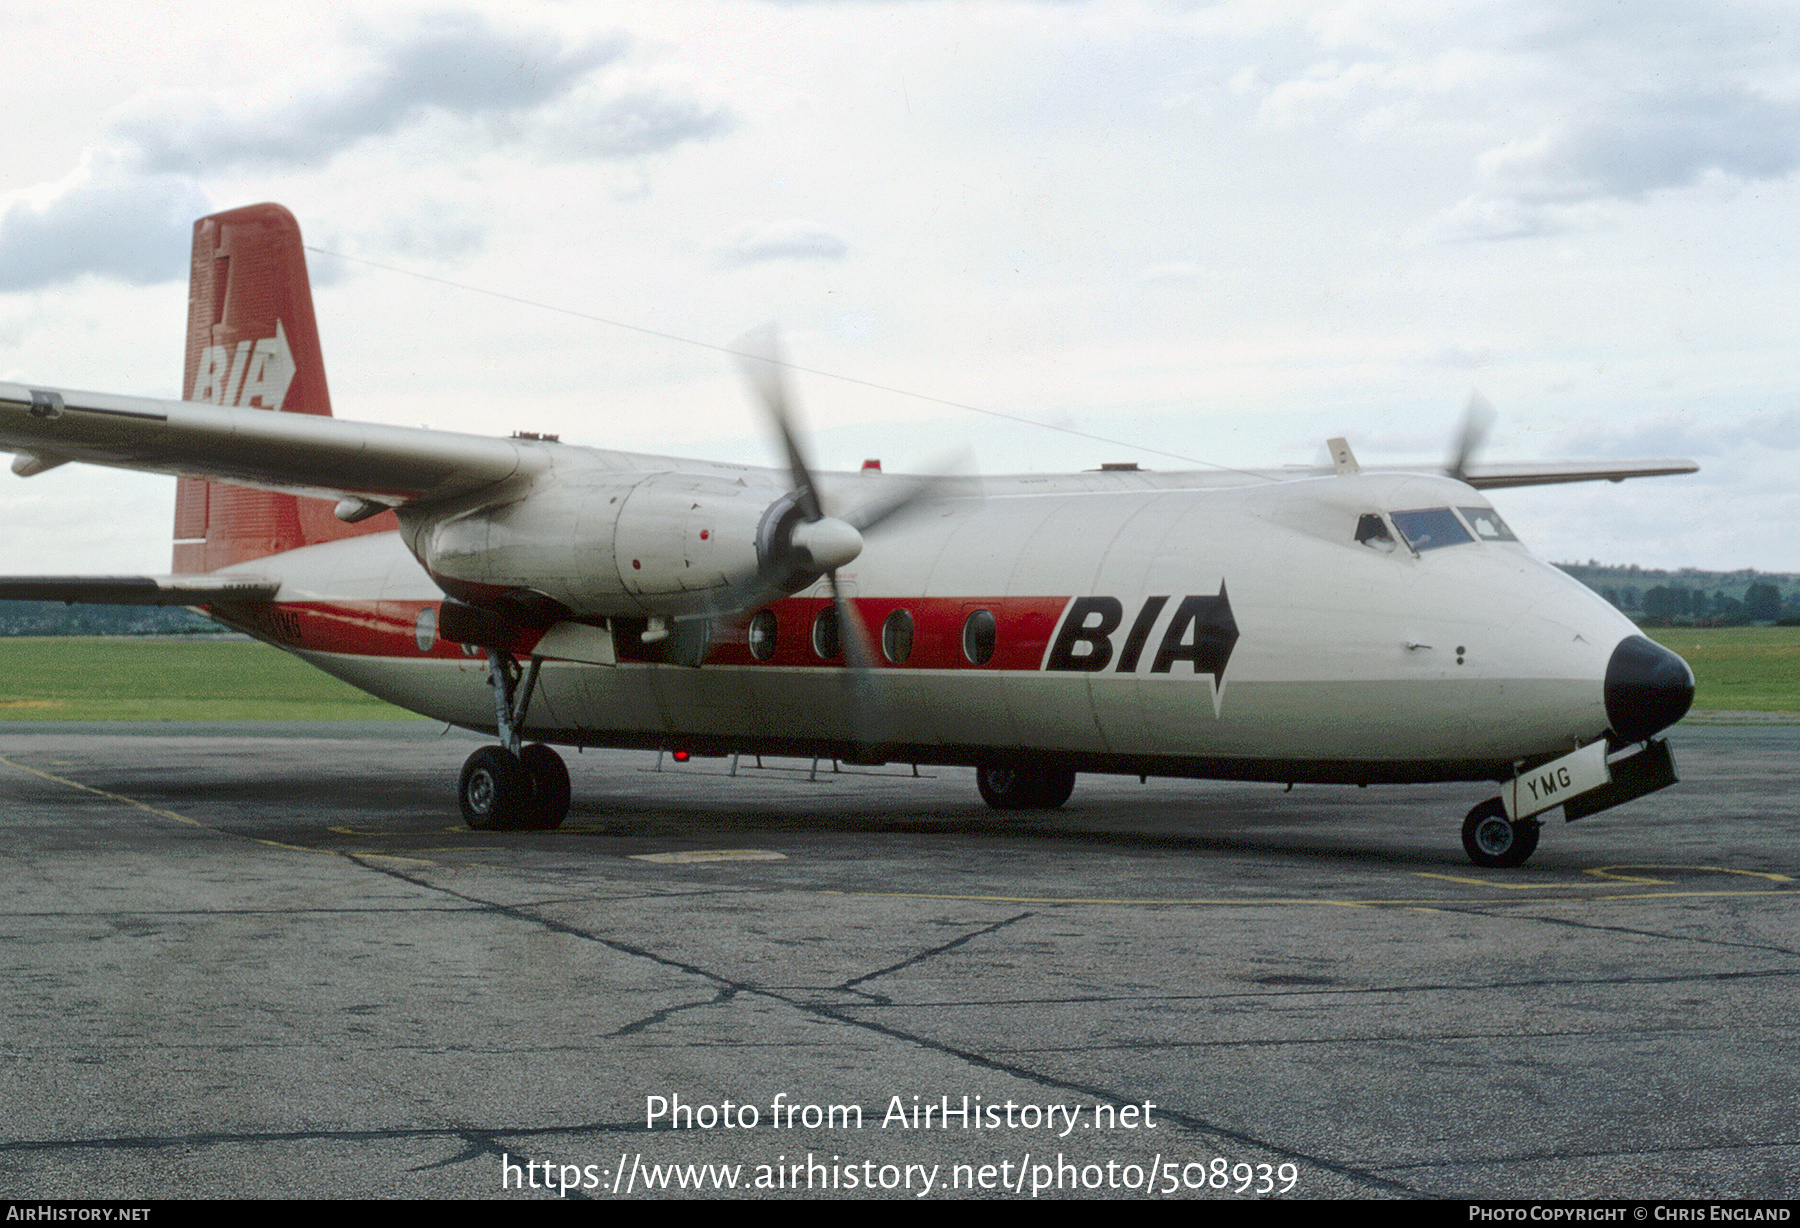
(1478, 419)
(798, 542)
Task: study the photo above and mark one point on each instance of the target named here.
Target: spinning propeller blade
(801, 542)
(1478, 418)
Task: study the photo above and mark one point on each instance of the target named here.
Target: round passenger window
(762, 635)
(425, 629)
(825, 634)
(897, 636)
(979, 632)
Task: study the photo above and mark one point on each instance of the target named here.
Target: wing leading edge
(301, 454)
(138, 590)
(1500, 476)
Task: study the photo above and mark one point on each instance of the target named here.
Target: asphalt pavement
(259, 960)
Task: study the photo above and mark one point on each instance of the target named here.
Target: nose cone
(1648, 688)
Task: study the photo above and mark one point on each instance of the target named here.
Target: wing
(303, 454)
(1494, 477)
(138, 590)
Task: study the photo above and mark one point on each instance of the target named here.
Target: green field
(1739, 669)
(96, 679)
(1742, 669)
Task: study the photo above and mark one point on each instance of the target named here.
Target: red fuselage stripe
(1022, 630)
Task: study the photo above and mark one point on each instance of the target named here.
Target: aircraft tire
(1496, 842)
(495, 790)
(1024, 788)
(549, 786)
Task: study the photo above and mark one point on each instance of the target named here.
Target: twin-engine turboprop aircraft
(1326, 625)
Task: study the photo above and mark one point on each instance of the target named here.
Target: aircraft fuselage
(1102, 622)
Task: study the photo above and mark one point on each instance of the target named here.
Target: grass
(102, 679)
(1739, 669)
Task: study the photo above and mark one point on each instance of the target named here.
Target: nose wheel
(1495, 841)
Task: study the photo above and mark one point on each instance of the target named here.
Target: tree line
(1670, 603)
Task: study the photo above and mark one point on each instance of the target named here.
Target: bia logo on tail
(251, 375)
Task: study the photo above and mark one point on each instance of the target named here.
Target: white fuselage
(1138, 625)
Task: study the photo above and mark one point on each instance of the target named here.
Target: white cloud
(628, 122)
(791, 239)
(464, 83)
(1564, 112)
(1642, 142)
(449, 64)
(133, 228)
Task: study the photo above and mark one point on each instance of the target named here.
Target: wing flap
(303, 454)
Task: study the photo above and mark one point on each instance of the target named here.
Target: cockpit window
(1428, 528)
(1487, 524)
(1372, 531)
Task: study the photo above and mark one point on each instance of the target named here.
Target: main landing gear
(513, 787)
(1495, 841)
(1024, 788)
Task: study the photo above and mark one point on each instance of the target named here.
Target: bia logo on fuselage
(251, 374)
(1201, 633)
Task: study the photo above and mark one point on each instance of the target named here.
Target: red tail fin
(252, 342)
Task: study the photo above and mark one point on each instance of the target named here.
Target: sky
(1208, 234)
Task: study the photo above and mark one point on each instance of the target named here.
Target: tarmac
(247, 960)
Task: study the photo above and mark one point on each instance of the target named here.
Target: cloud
(127, 212)
(432, 230)
(1766, 432)
(783, 240)
(630, 123)
(138, 229)
(1644, 143)
(1484, 217)
(1562, 116)
(1576, 173)
(509, 84)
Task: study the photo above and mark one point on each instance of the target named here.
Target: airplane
(1300, 625)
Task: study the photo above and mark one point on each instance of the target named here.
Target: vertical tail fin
(252, 342)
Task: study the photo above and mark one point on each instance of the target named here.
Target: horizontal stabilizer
(138, 590)
(1525, 473)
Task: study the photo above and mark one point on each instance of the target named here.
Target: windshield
(1429, 528)
(1487, 524)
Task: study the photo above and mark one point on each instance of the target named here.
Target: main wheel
(1493, 840)
(495, 790)
(1024, 788)
(549, 786)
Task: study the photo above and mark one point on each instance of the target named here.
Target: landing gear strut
(512, 787)
(1495, 841)
(1024, 788)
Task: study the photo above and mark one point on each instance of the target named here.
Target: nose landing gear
(1495, 841)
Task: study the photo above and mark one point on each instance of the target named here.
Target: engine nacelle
(602, 543)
